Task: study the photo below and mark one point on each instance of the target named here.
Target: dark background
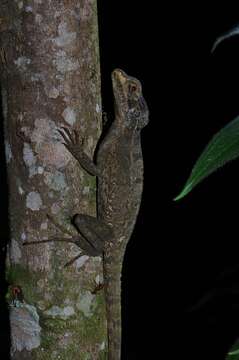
(178, 250)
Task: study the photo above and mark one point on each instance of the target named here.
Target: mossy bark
(50, 77)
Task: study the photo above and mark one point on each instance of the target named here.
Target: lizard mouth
(119, 76)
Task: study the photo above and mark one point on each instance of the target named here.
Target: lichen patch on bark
(86, 303)
(65, 37)
(81, 261)
(15, 252)
(29, 159)
(8, 152)
(69, 115)
(34, 201)
(25, 328)
(55, 181)
(61, 312)
(22, 62)
(65, 63)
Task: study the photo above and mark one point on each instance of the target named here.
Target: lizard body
(119, 171)
(120, 187)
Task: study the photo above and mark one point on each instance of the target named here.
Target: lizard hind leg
(70, 237)
(79, 239)
(94, 230)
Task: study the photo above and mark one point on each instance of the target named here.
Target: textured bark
(50, 77)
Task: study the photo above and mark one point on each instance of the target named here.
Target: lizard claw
(97, 288)
(71, 139)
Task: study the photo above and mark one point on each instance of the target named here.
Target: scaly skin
(120, 185)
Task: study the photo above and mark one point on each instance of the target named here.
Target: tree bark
(50, 77)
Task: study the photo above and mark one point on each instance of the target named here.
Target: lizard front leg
(73, 143)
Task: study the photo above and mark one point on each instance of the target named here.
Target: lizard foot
(98, 287)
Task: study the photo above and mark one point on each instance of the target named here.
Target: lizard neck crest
(130, 106)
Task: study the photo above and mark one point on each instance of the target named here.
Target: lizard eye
(132, 88)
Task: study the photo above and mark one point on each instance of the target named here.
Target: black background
(178, 250)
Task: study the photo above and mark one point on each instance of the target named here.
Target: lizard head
(130, 105)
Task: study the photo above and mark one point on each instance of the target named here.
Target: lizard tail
(112, 286)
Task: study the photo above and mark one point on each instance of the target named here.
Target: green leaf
(232, 32)
(223, 148)
(233, 354)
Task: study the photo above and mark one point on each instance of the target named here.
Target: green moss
(94, 327)
(14, 272)
(47, 340)
(103, 355)
(60, 286)
(26, 279)
(87, 330)
(85, 334)
(56, 325)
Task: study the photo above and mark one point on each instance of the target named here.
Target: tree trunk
(50, 77)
